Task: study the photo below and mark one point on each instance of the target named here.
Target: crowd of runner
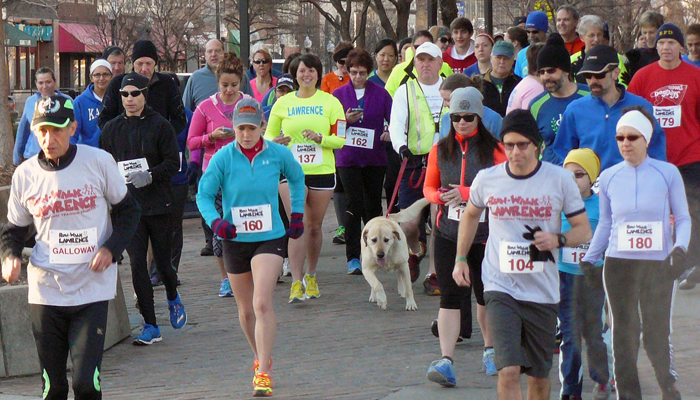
(563, 179)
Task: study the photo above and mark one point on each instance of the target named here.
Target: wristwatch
(561, 239)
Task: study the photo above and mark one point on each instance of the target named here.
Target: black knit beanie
(554, 54)
(144, 48)
(135, 79)
(522, 122)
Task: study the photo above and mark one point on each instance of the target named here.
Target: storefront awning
(15, 37)
(78, 38)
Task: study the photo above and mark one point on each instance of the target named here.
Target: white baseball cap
(429, 48)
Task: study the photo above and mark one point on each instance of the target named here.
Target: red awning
(78, 38)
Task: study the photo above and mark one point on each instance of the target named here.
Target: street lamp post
(307, 44)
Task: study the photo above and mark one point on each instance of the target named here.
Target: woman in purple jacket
(361, 163)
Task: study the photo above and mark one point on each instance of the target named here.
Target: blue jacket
(87, 109)
(591, 204)
(180, 177)
(492, 121)
(588, 122)
(245, 183)
(26, 144)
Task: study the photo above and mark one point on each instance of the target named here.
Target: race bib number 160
(252, 219)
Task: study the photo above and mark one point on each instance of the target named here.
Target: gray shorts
(523, 333)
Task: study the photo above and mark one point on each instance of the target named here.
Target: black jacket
(495, 100)
(163, 96)
(151, 137)
(637, 59)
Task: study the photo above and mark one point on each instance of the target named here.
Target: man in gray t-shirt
(525, 198)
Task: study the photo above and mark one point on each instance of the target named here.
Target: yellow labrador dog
(384, 248)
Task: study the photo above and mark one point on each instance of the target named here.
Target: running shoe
(414, 262)
(601, 391)
(489, 365)
(670, 393)
(155, 280)
(178, 315)
(262, 385)
(339, 237)
(441, 371)
(256, 365)
(149, 334)
(286, 271)
(225, 289)
(430, 285)
(354, 267)
(207, 250)
(296, 294)
(311, 287)
(688, 283)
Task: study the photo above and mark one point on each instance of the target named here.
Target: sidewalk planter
(18, 354)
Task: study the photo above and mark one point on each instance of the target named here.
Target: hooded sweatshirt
(87, 110)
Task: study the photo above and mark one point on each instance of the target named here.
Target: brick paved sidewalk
(336, 347)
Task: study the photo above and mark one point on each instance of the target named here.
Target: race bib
(455, 212)
(573, 255)
(72, 246)
(135, 165)
(307, 153)
(360, 137)
(640, 236)
(514, 258)
(668, 117)
(252, 219)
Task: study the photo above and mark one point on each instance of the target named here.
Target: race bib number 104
(514, 258)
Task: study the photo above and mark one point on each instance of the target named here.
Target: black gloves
(405, 153)
(535, 253)
(674, 265)
(592, 275)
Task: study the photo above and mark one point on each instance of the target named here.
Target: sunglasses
(341, 62)
(579, 174)
(599, 76)
(133, 93)
(467, 118)
(630, 138)
(445, 40)
(543, 71)
(262, 61)
(521, 145)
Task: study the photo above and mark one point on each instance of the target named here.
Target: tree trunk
(7, 141)
(378, 8)
(403, 11)
(448, 8)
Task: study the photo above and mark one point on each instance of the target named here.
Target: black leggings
(157, 228)
(179, 201)
(78, 329)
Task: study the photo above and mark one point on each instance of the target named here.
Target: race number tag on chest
(573, 255)
(135, 165)
(307, 153)
(360, 137)
(455, 212)
(72, 246)
(514, 258)
(668, 117)
(640, 236)
(252, 219)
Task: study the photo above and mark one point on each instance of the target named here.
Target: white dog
(384, 248)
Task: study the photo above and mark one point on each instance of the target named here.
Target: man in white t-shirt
(525, 198)
(414, 127)
(70, 194)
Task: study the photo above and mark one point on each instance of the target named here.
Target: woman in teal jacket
(247, 171)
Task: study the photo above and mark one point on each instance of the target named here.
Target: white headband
(637, 120)
(100, 63)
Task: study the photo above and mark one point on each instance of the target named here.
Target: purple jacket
(377, 109)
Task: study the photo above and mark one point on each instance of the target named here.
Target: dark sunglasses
(543, 71)
(262, 61)
(579, 174)
(133, 93)
(521, 145)
(467, 117)
(599, 76)
(630, 138)
(445, 40)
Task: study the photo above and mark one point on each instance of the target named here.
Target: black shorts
(237, 255)
(523, 333)
(320, 182)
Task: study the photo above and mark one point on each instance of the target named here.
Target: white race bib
(669, 116)
(307, 153)
(72, 246)
(135, 165)
(455, 212)
(640, 236)
(573, 255)
(360, 137)
(514, 258)
(252, 219)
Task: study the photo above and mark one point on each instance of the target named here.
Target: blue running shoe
(354, 267)
(225, 290)
(149, 334)
(441, 371)
(178, 315)
(489, 365)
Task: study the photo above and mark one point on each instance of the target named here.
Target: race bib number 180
(252, 219)
(514, 258)
(307, 153)
(640, 236)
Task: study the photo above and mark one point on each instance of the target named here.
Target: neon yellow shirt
(320, 113)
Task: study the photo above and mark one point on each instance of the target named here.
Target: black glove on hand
(405, 153)
(592, 275)
(535, 253)
(674, 265)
